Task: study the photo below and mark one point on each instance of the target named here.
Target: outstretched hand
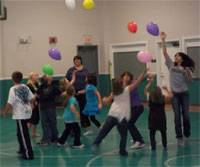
(4, 114)
(165, 87)
(163, 35)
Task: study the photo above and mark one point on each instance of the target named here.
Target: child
(136, 109)
(47, 93)
(71, 117)
(119, 113)
(19, 100)
(33, 85)
(63, 84)
(157, 118)
(93, 103)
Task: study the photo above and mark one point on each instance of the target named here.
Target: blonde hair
(30, 82)
(63, 84)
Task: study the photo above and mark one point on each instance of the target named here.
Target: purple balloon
(152, 28)
(54, 53)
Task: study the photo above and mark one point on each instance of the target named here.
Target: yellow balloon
(88, 4)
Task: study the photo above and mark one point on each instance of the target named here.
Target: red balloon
(132, 27)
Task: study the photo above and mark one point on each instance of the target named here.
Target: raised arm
(164, 49)
(99, 98)
(169, 93)
(146, 89)
(73, 77)
(135, 84)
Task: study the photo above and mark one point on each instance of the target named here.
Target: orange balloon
(132, 27)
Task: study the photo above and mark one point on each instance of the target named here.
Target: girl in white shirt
(119, 113)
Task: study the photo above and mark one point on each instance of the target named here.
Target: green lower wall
(104, 89)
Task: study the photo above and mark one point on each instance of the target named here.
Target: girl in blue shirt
(71, 117)
(93, 105)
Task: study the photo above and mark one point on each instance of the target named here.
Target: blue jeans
(135, 114)
(108, 125)
(49, 125)
(180, 104)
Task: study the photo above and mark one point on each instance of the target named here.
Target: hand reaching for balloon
(163, 36)
(165, 87)
(151, 76)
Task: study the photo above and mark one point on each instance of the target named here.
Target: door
(89, 55)
(127, 61)
(163, 73)
(191, 46)
(123, 57)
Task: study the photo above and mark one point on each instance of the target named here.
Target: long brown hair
(117, 86)
(187, 61)
(156, 95)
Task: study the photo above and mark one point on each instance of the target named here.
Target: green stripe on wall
(104, 89)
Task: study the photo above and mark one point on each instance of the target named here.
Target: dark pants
(152, 135)
(135, 114)
(49, 125)
(108, 125)
(77, 133)
(24, 139)
(180, 103)
(81, 102)
(93, 119)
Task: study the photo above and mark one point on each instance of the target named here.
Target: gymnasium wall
(106, 22)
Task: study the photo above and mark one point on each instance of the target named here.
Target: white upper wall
(107, 22)
(40, 20)
(177, 18)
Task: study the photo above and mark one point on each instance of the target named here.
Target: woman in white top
(119, 113)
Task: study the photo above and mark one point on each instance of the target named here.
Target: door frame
(190, 41)
(125, 47)
(158, 57)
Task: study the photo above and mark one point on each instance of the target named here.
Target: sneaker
(180, 142)
(123, 153)
(19, 152)
(152, 148)
(138, 145)
(186, 139)
(29, 158)
(54, 142)
(41, 143)
(87, 133)
(61, 145)
(79, 147)
(94, 147)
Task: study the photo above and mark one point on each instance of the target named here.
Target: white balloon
(70, 4)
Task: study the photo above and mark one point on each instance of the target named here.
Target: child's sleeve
(11, 97)
(92, 87)
(169, 63)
